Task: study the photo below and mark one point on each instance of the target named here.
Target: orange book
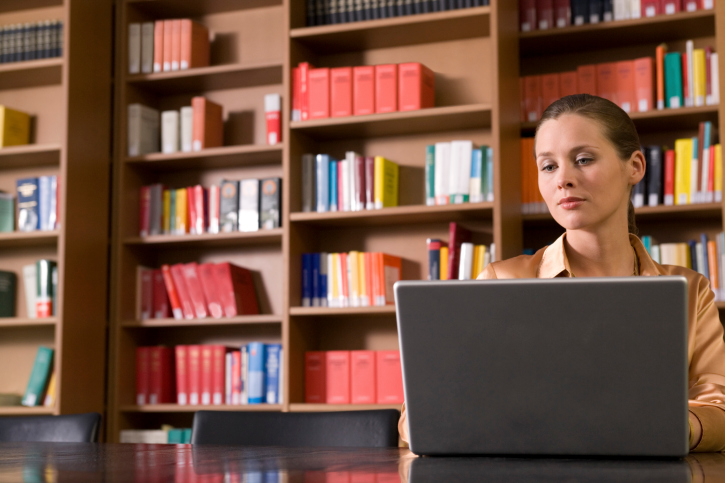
(389, 378)
(568, 84)
(168, 40)
(175, 44)
(194, 45)
(344, 286)
(626, 98)
(182, 377)
(532, 87)
(712, 261)
(158, 46)
(171, 291)
(207, 124)
(660, 59)
(390, 271)
(341, 91)
(193, 367)
(362, 377)
(369, 280)
(607, 81)
(206, 373)
(386, 88)
(363, 90)
(337, 375)
(550, 90)
(319, 93)
(587, 79)
(416, 87)
(644, 84)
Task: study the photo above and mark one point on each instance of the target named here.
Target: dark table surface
(51, 462)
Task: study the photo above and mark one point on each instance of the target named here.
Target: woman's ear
(638, 167)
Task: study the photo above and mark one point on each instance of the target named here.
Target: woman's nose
(564, 177)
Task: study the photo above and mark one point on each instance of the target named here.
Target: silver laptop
(582, 366)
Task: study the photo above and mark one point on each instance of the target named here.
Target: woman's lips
(570, 203)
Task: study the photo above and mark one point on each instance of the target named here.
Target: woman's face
(581, 177)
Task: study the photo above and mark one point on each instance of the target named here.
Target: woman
(588, 157)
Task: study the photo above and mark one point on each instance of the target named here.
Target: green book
(484, 172)
(187, 436)
(7, 212)
(673, 80)
(8, 284)
(39, 377)
(176, 436)
(430, 178)
(44, 283)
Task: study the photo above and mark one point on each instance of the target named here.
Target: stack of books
(354, 279)
(353, 377)
(458, 172)
(165, 435)
(167, 45)
(31, 41)
(326, 12)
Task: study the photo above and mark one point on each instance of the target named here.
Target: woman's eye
(548, 168)
(584, 160)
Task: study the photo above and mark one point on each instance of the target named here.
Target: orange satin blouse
(705, 346)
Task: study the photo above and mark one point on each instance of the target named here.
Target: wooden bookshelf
(222, 157)
(209, 322)
(261, 237)
(69, 101)
(310, 408)
(336, 311)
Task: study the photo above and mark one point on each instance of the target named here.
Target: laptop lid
(569, 366)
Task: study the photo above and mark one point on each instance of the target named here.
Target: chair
(376, 429)
(72, 428)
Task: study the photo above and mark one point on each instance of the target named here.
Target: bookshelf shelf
(25, 239)
(651, 213)
(398, 215)
(175, 408)
(30, 155)
(12, 5)
(209, 78)
(222, 157)
(398, 31)
(31, 73)
(27, 322)
(242, 320)
(260, 237)
(25, 411)
(174, 8)
(330, 311)
(452, 118)
(304, 407)
(622, 33)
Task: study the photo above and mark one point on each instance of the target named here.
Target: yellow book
(335, 282)
(479, 260)
(444, 263)
(683, 255)
(50, 393)
(385, 183)
(683, 163)
(476, 254)
(354, 278)
(700, 76)
(14, 127)
(166, 219)
(718, 173)
(181, 212)
(363, 280)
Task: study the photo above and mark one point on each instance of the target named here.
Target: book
(213, 209)
(389, 378)
(134, 48)
(550, 89)
(30, 288)
(218, 374)
(161, 308)
(319, 93)
(568, 84)
(386, 183)
(626, 86)
(186, 129)
(257, 358)
(699, 79)
(683, 161)
(309, 195)
(273, 117)
(170, 132)
(430, 175)
(182, 291)
(147, 47)
(28, 201)
(7, 212)
(206, 273)
(143, 374)
(175, 44)
(272, 371)
(457, 235)
(322, 176)
(229, 206)
(607, 81)
(208, 125)
(315, 377)
(182, 386)
(416, 86)
(386, 88)
(194, 45)
(39, 375)
(249, 205)
(363, 90)
(51, 393)
(362, 377)
(669, 178)
(341, 92)
(434, 256)
(655, 165)
(236, 290)
(442, 155)
(304, 90)
(167, 44)
(465, 267)
(270, 203)
(643, 84)
(14, 127)
(587, 79)
(337, 375)
(161, 388)
(44, 290)
(527, 15)
(545, 14)
(533, 97)
(47, 202)
(8, 288)
(143, 130)
(194, 287)
(194, 374)
(146, 295)
(173, 295)
(673, 80)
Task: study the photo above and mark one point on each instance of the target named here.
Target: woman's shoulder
(523, 266)
(695, 280)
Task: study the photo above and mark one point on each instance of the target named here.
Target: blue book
(693, 254)
(323, 183)
(44, 193)
(476, 191)
(647, 242)
(333, 185)
(28, 200)
(307, 286)
(272, 366)
(705, 258)
(315, 278)
(323, 279)
(257, 358)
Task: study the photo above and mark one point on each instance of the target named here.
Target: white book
(228, 360)
(44, 202)
(694, 182)
(323, 273)
(638, 200)
(454, 173)
(147, 47)
(708, 4)
(170, 131)
(134, 48)
(464, 151)
(635, 9)
(344, 188)
(668, 253)
(715, 81)
(621, 9)
(700, 255)
(53, 214)
(187, 129)
(656, 253)
(690, 94)
(492, 251)
(442, 169)
(143, 130)
(30, 276)
(465, 265)
(690, 6)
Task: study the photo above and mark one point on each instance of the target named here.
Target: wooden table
(59, 462)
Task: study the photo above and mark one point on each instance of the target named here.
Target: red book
(147, 293)
(315, 379)
(196, 293)
(644, 84)
(527, 15)
(211, 292)
(145, 210)
(692, 5)
(568, 83)
(369, 182)
(626, 96)
(236, 376)
(177, 273)
(587, 79)
(363, 90)
(194, 371)
(456, 235)
(236, 290)
(207, 124)
(671, 6)
(199, 221)
(219, 355)
(362, 377)
(143, 374)
(532, 89)
(161, 307)
(389, 378)
(207, 374)
(161, 380)
(214, 208)
(686, 81)
(296, 112)
(359, 182)
(319, 89)
(158, 46)
(194, 45)
(562, 13)
(416, 87)
(545, 14)
(708, 75)
(304, 90)
(341, 91)
(172, 293)
(182, 375)
(175, 44)
(337, 375)
(550, 91)
(607, 81)
(669, 191)
(386, 88)
(651, 8)
(168, 40)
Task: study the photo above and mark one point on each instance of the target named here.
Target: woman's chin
(572, 220)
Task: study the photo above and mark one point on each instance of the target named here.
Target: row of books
(354, 279)
(326, 12)
(165, 435)
(346, 91)
(353, 377)
(547, 14)
(40, 280)
(196, 291)
(235, 205)
(38, 203)
(209, 374)
(31, 41)
(355, 183)
(167, 45)
(458, 172)
(472, 259)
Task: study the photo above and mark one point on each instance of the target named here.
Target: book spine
(270, 210)
(249, 205)
(319, 93)
(389, 377)
(134, 48)
(315, 377)
(338, 377)
(176, 309)
(362, 377)
(323, 183)
(256, 389)
(44, 293)
(272, 368)
(39, 375)
(386, 88)
(28, 201)
(143, 374)
(170, 131)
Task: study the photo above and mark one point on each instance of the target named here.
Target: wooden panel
(174, 8)
(241, 320)
(25, 322)
(31, 73)
(273, 236)
(175, 408)
(18, 348)
(27, 239)
(221, 157)
(30, 155)
(15, 6)
(45, 104)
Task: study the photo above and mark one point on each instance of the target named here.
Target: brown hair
(616, 124)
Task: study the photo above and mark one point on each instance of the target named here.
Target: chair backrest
(72, 428)
(377, 428)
